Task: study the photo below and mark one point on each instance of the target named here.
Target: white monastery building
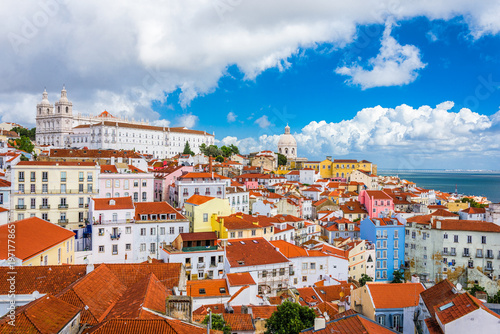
(57, 126)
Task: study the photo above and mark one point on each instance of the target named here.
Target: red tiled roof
(56, 163)
(238, 279)
(466, 225)
(44, 279)
(33, 236)
(146, 208)
(474, 211)
(120, 203)
(196, 236)
(140, 326)
(108, 169)
(308, 296)
(4, 183)
(378, 194)
(263, 311)
(195, 175)
(147, 293)
(443, 213)
(86, 153)
(168, 274)
(252, 252)
(212, 287)
(331, 293)
(239, 322)
(395, 295)
(47, 314)
(351, 324)
(199, 199)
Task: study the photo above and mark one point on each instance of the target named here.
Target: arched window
(286, 150)
(293, 150)
(58, 109)
(67, 110)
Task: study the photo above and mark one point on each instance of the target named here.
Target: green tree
(234, 149)
(472, 203)
(290, 318)
(495, 298)
(226, 151)
(23, 143)
(475, 288)
(399, 276)
(218, 323)
(281, 160)
(220, 158)
(187, 149)
(203, 149)
(365, 278)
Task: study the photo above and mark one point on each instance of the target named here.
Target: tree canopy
(214, 151)
(365, 278)
(187, 149)
(290, 318)
(281, 160)
(23, 143)
(398, 277)
(30, 133)
(471, 202)
(218, 323)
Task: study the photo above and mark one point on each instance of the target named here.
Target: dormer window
(144, 217)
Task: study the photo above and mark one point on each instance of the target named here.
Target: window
(181, 229)
(205, 217)
(483, 239)
(115, 249)
(89, 187)
(445, 250)
(153, 231)
(80, 188)
(381, 319)
(469, 239)
(128, 247)
(45, 176)
(80, 176)
(304, 266)
(304, 278)
(128, 230)
(396, 244)
(313, 266)
(117, 183)
(143, 247)
(101, 231)
(21, 176)
(101, 249)
(171, 230)
(162, 231)
(136, 196)
(89, 177)
(453, 251)
(144, 196)
(396, 254)
(240, 234)
(108, 183)
(152, 247)
(63, 176)
(455, 238)
(33, 203)
(232, 235)
(466, 252)
(253, 233)
(21, 188)
(143, 231)
(445, 236)
(125, 184)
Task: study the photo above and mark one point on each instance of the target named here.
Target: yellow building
(201, 210)
(58, 192)
(342, 168)
(312, 165)
(236, 227)
(37, 242)
(456, 206)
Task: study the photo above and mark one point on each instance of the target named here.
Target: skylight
(446, 306)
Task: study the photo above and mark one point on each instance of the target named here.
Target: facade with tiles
(58, 192)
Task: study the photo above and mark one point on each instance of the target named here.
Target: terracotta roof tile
(109, 169)
(120, 203)
(238, 279)
(33, 235)
(239, 322)
(466, 225)
(443, 291)
(308, 296)
(207, 288)
(199, 199)
(474, 211)
(44, 279)
(443, 213)
(352, 324)
(134, 326)
(395, 295)
(158, 208)
(56, 163)
(47, 314)
(168, 274)
(252, 252)
(331, 293)
(263, 311)
(378, 194)
(196, 236)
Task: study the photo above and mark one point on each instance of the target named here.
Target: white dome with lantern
(287, 145)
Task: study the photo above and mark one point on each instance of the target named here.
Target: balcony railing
(453, 253)
(465, 254)
(32, 179)
(63, 179)
(479, 255)
(44, 206)
(488, 268)
(21, 179)
(490, 256)
(62, 221)
(199, 248)
(44, 179)
(62, 206)
(200, 265)
(115, 236)
(20, 207)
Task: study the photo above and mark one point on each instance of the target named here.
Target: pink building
(164, 178)
(122, 180)
(376, 202)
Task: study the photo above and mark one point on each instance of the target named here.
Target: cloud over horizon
(121, 56)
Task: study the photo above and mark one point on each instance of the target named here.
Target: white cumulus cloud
(395, 65)
(263, 122)
(187, 120)
(231, 117)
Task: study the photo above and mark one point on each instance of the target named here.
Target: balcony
(479, 255)
(81, 205)
(45, 179)
(188, 265)
(62, 206)
(465, 254)
(490, 256)
(199, 248)
(453, 253)
(62, 221)
(213, 264)
(200, 265)
(115, 236)
(32, 179)
(488, 269)
(21, 180)
(63, 179)
(80, 179)
(20, 207)
(44, 206)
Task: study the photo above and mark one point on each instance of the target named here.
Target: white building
(312, 266)
(123, 180)
(307, 176)
(206, 184)
(124, 232)
(57, 126)
(238, 199)
(198, 252)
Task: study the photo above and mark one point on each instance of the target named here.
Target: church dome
(45, 99)
(287, 144)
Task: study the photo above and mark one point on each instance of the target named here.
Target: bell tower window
(67, 110)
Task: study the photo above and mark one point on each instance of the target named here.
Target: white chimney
(319, 323)
(90, 268)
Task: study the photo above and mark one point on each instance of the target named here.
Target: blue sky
(404, 84)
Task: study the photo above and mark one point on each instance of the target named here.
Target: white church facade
(57, 126)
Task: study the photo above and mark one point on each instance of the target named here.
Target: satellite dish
(459, 287)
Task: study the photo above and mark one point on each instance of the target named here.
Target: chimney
(90, 268)
(319, 323)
